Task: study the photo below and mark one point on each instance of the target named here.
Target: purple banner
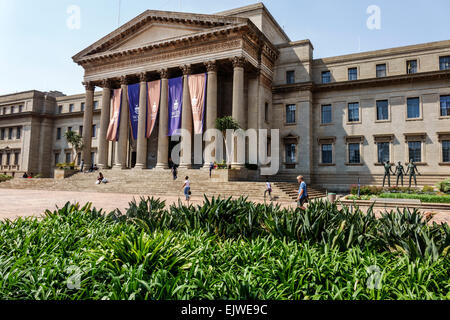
(133, 103)
(175, 105)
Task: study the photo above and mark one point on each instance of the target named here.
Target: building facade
(339, 118)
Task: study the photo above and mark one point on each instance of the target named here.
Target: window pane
(326, 77)
(382, 110)
(383, 152)
(446, 151)
(290, 77)
(411, 66)
(290, 113)
(352, 74)
(381, 70)
(327, 153)
(353, 112)
(415, 151)
(445, 106)
(326, 114)
(413, 108)
(354, 153)
(290, 153)
(444, 63)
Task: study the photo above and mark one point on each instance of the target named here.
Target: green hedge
(422, 197)
(4, 178)
(223, 249)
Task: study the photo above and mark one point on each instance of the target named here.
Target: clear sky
(36, 44)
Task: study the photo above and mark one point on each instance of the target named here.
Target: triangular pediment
(156, 26)
(156, 32)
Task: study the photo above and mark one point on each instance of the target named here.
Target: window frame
(322, 77)
(286, 153)
(447, 106)
(409, 151)
(290, 73)
(58, 133)
(94, 131)
(359, 113)
(388, 111)
(419, 106)
(442, 152)
(385, 70)
(407, 66)
(321, 115)
(348, 73)
(286, 114)
(447, 63)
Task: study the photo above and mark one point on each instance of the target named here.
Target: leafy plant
(76, 141)
(224, 124)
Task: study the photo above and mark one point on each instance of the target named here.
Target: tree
(224, 124)
(76, 141)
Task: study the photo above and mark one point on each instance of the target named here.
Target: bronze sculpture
(412, 169)
(399, 171)
(387, 173)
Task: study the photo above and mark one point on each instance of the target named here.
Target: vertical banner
(133, 103)
(154, 95)
(175, 105)
(197, 89)
(116, 104)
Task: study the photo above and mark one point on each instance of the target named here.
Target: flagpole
(118, 17)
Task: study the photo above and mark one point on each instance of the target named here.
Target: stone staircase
(291, 189)
(161, 183)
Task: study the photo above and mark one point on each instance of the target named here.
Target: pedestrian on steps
(187, 189)
(302, 193)
(268, 190)
(211, 168)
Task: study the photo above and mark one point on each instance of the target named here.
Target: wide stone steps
(291, 189)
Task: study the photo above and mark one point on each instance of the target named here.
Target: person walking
(211, 168)
(187, 189)
(302, 193)
(82, 166)
(268, 190)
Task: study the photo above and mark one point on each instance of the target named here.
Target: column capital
(164, 73)
(89, 86)
(143, 77)
(211, 66)
(238, 62)
(106, 84)
(124, 80)
(187, 70)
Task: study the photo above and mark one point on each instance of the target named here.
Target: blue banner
(175, 105)
(133, 103)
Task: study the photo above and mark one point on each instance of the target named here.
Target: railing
(14, 167)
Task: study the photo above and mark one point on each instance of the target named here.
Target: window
(81, 131)
(8, 158)
(383, 152)
(415, 151)
(4, 111)
(2, 134)
(326, 77)
(95, 105)
(82, 106)
(58, 134)
(382, 110)
(381, 70)
(290, 153)
(12, 109)
(69, 129)
(326, 114)
(290, 77)
(71, 107)
(92, 158)
(411, 66)
(353, 112)
(413, 108)
(18, 132)
(60, 109)
(327, 153)
(94, 131)
(10, 133)
(445, 106)
(266, 112)
(444, 63)
(290, 113)
(68, 157)
(16, 158)
(78, 158)
(446, 151)
(56, 158)
(352, 74)
(354, 155)
(20, 108)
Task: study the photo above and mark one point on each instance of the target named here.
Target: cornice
(304, 86)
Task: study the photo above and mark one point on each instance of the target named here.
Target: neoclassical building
(339, 117)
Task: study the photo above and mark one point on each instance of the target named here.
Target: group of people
(91, 169)
(302, 195)
(400, 172)
(27, 175)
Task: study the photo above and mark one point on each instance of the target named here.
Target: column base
(162, 166)
(119, 167)
(237, 166)
(139, 166)
(185, 166)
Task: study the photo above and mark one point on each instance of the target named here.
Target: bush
(444, 186)
(427, 198)
(428, 189)
(4, 177)
(367, 190)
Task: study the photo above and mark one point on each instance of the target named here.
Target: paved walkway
(25, 203)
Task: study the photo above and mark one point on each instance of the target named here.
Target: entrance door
(133, 159)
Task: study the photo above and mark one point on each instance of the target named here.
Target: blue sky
(36, 45)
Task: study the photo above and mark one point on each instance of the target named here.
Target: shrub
(444, 186)
(4, 177)
(428, 189)
(367, 190)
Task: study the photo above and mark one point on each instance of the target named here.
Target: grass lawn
(224, 249)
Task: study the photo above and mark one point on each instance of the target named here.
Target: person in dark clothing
(211, 168)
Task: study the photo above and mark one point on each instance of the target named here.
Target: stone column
(141, 155)
(163, 139)
(87, 124)
(103, 144)
(186, 121)
(211, 106)
(238, 108)
(121, 145)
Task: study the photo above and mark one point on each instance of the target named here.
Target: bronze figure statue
(412, 170)
(399, 172)
(387, 173)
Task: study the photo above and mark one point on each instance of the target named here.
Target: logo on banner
(175, 105)
(154, 107)
(136, 110)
